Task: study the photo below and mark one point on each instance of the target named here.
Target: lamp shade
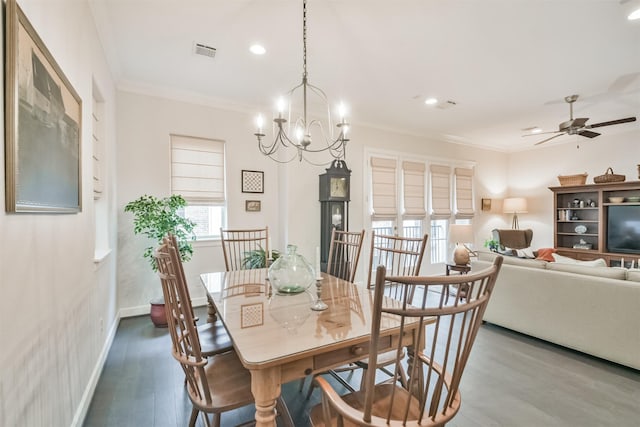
(460, 233)
(515, 205)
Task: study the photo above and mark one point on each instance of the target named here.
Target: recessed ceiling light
(258, 49)
(634, 15)
(431, 101)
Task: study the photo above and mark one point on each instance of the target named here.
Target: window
(399, 195)
(197, 174)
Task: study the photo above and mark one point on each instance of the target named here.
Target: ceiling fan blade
(541, 133)
(578, 123)
(548, 139)
(588, 133)
(612, 122)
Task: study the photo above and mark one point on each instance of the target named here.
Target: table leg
(212, 315)
(265, 386)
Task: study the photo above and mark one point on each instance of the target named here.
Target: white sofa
(595, 310)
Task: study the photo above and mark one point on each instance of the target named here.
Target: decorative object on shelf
(252, 181)
(574, 217)
(461, 234)
(583, 245)
(633, 199)
(287, 147)
(515, 205)
(616, 199)
(42, 125)
(252, 205)
(575, 203)
(581, 229)
(578, 179)
(608, 176)
(291, 273)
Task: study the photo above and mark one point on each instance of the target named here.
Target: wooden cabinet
(580, 220)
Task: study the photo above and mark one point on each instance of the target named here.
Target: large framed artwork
(43, 116)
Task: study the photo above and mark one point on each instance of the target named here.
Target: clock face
(338, 187)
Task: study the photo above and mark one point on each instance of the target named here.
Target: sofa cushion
(525, 262)
(566, 260)
(545, 254)
(523, 253)
(610, 273)
(633, 275)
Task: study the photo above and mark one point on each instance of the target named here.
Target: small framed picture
(252, 205)
(252, 181)
(486, 204)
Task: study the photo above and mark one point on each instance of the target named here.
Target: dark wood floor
(512, 380)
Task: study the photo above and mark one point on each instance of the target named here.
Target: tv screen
(623, 229)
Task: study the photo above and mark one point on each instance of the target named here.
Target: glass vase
(291, 273)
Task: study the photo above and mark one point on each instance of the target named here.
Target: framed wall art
(43, 116)
(252, 205)
(252, 181)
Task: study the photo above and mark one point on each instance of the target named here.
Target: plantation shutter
(413, 186)
(197, 169)
(440, 192)
(464, 193)
(383, 183)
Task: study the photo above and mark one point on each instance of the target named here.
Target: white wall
(290, 204)
(58, 307)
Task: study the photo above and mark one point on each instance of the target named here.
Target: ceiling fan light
(431, 101)
(634, 15)
(536, 130)
(257, 49)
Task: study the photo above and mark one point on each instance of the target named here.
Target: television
(623, 229)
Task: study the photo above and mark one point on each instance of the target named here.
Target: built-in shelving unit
(580, 222)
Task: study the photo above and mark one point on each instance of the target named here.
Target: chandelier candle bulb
(318, 272)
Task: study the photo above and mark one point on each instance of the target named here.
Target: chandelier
(293, 138)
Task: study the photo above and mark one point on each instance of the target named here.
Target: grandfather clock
(334, 205)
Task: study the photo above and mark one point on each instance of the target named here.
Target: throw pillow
(566, 260)
(546, 254)
(523, 253)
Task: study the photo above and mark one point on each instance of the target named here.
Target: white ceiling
(507, 64)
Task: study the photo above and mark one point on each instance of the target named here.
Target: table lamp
(461, 234)
(515, 205)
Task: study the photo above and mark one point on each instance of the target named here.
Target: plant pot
(157, 313)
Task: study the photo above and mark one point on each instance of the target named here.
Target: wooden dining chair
(344, 253)
(237, 244)
(214, 337)
(215, 384)
(446, 333)
(401, 256)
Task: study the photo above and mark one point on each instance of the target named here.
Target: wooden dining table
(279, 338)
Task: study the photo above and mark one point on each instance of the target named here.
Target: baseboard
(87, 396)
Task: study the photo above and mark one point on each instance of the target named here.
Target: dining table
(280, 338)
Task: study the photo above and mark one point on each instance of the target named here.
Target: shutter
(440, 192)
(413, 186)
(464, 193)
(197, 169)
(383, 185)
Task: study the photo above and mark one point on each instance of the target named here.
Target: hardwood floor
(511, 380)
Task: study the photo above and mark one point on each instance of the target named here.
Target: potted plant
(257, 258)
(155, 218)
(492, 244)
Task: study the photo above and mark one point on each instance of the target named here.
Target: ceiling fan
(578, 126)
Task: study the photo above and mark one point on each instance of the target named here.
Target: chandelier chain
(304, 39)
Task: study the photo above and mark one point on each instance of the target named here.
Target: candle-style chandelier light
(286, 146)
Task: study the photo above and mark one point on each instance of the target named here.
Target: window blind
(413, 186)
(383, 184)
(464, 193)
(197, 169)
(440, 192)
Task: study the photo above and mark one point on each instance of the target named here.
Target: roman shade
(440, 192)
(413, 186)
(464, 192)
(197, 169)
(383, 188)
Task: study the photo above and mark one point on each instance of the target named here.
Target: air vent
(204, 50)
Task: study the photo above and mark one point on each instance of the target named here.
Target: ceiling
(506, 64)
